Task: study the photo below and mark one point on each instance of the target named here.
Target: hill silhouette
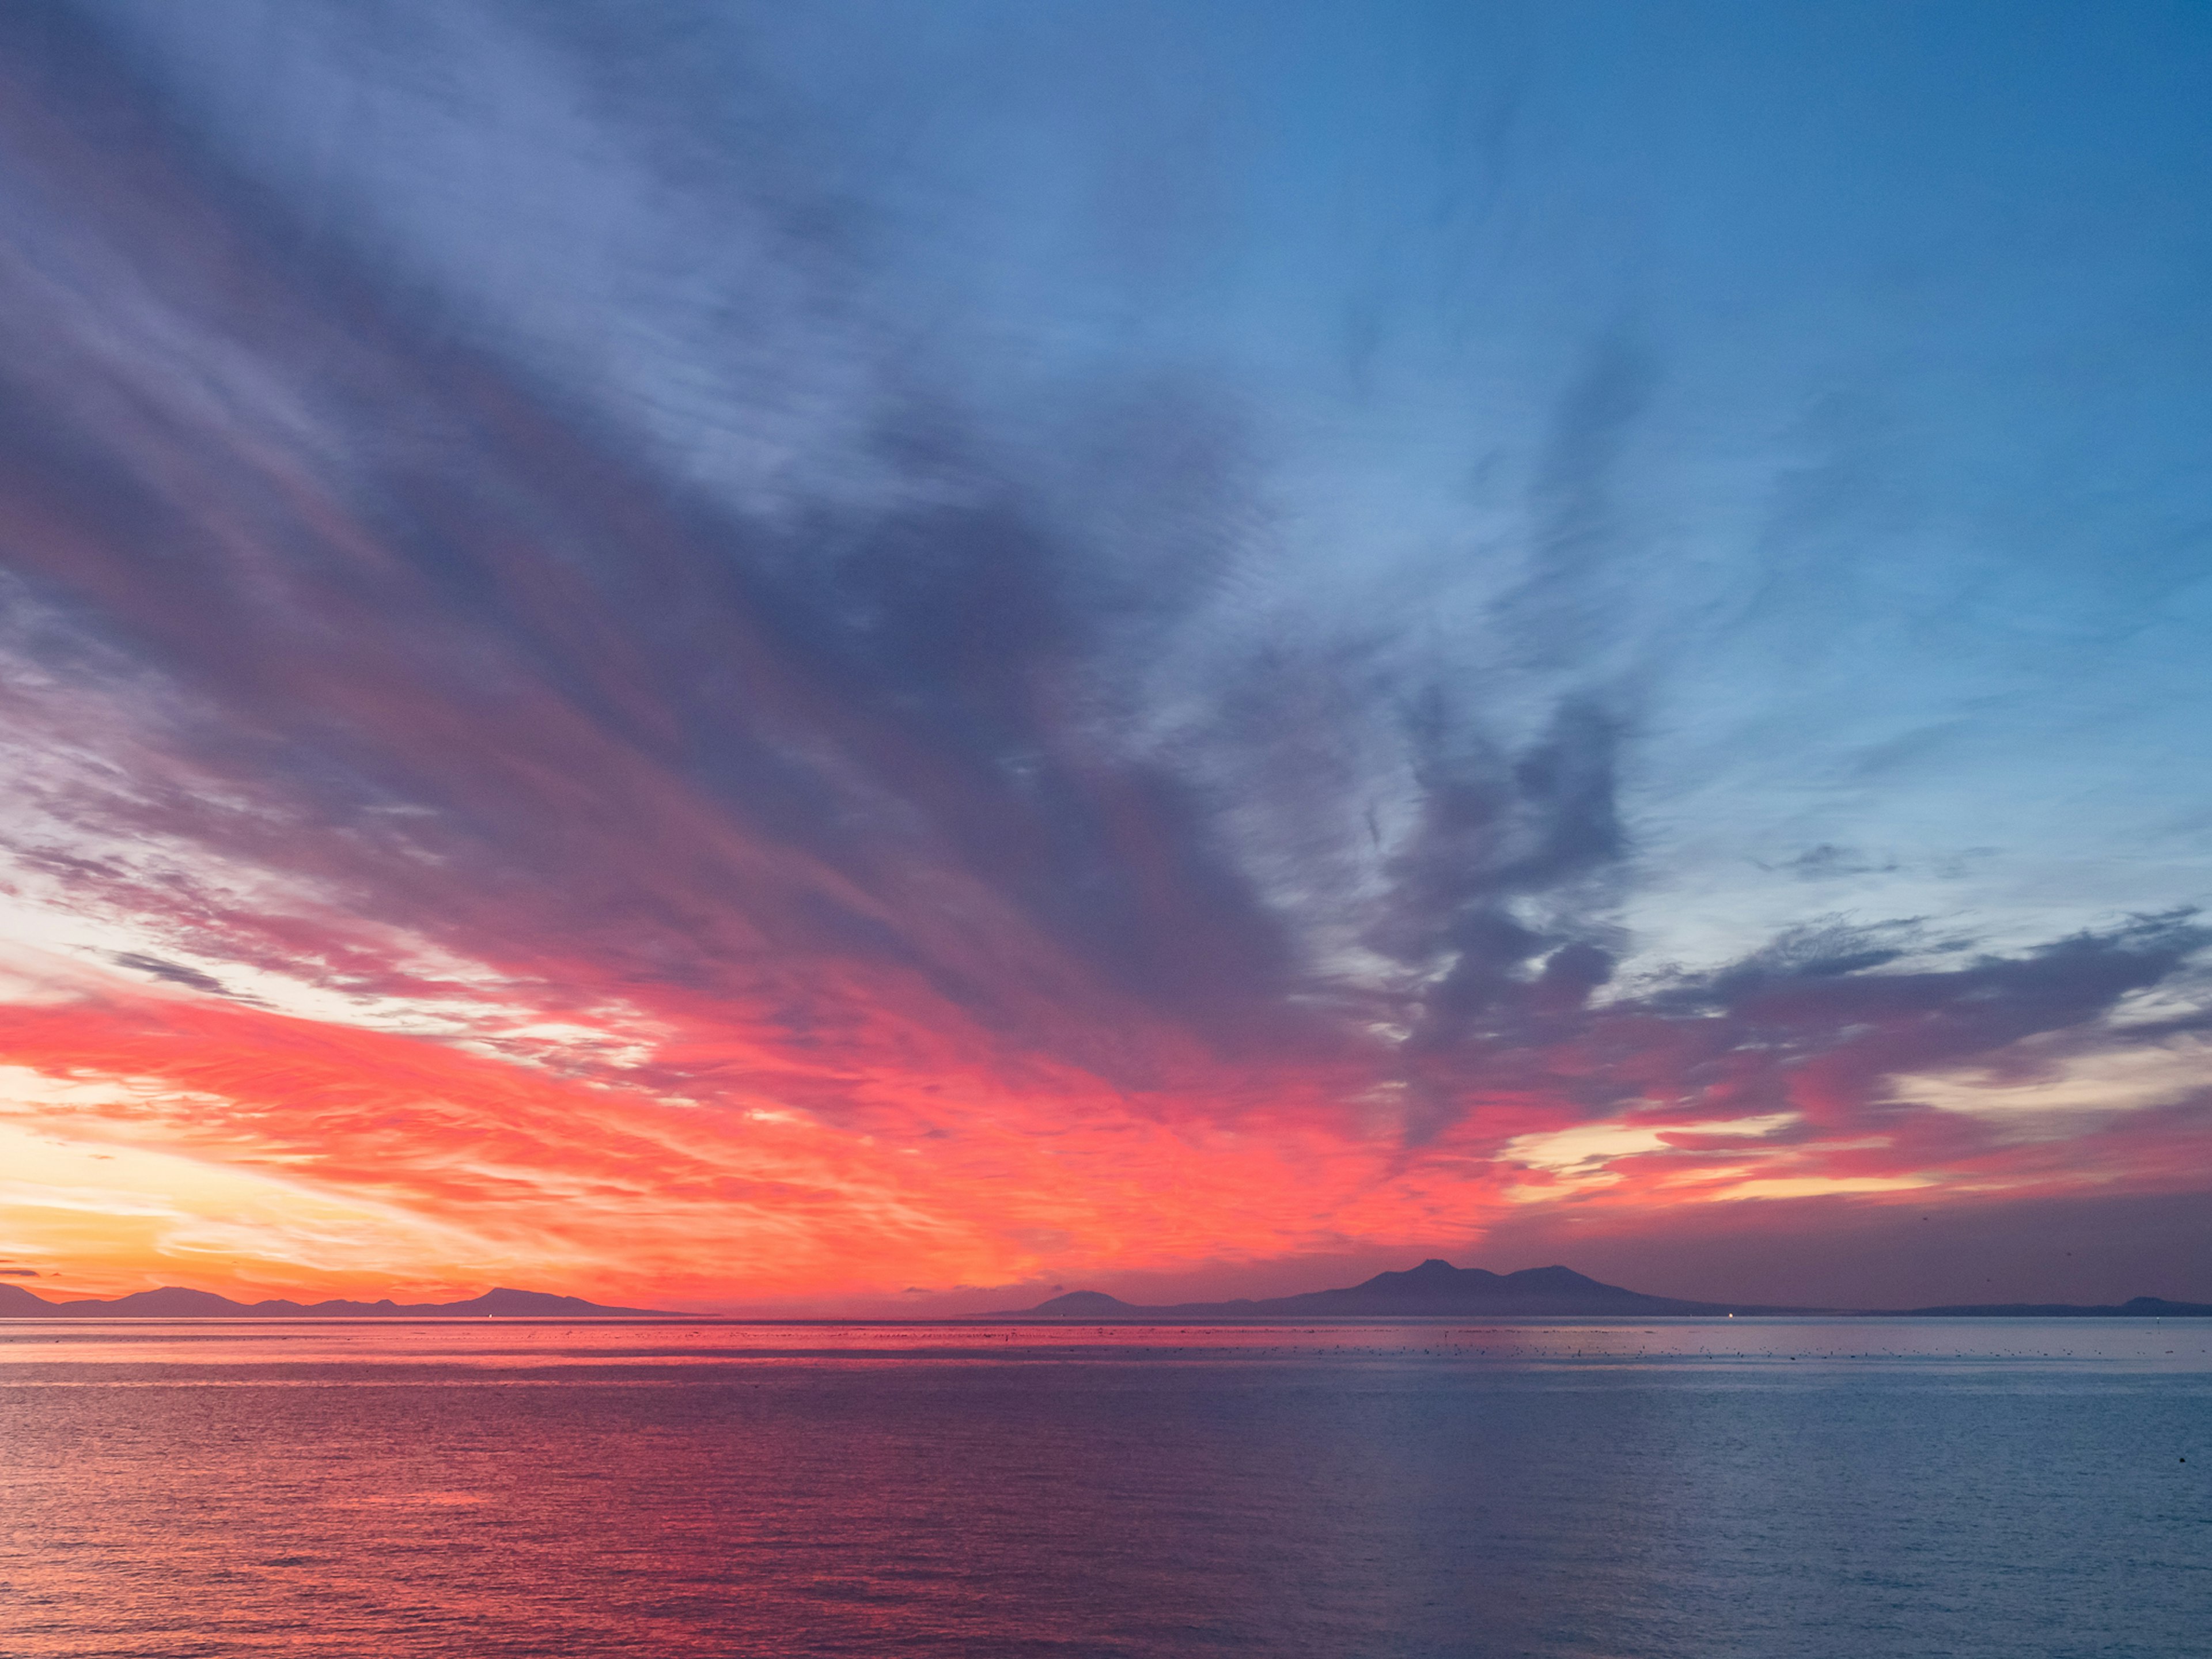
(1437, 1288)
(2139, 1307)
(174, 1301)
(1434, 1288)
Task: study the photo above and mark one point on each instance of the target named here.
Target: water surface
(1755, 1487)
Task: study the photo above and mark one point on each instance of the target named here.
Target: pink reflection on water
(530, 1345)
(695, 1491)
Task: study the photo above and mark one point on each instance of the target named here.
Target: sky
(871, 657)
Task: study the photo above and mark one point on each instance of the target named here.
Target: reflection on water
(503, 1345)
(1680, 1487)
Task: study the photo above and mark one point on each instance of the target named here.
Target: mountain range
(1435, 1288)
(171, 1302)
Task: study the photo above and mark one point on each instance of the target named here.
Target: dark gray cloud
(1828, 862)
(1496, 832)
(174, 973)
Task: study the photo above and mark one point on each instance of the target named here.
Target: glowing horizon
(802, 665)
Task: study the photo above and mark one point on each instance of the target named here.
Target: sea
(1769, 1487)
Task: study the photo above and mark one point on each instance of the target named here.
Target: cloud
(700, 803)
(1828, 862)
(174, 973)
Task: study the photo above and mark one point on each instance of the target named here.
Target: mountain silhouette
(1078, 1305)
(2139, 1307)
(173, 1301)
(1435, 1288)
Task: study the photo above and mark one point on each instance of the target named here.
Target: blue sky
(1894, 535)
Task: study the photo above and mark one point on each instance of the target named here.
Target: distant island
(172, 1302)
(1437, 1288)
(1434, 1288)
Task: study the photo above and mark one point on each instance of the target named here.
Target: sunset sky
(861, 656)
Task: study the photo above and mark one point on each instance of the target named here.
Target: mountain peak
(1076, 1302)
(1434, 1288)
(1436, 1276)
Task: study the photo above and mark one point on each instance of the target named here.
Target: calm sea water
(1695, 1487)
